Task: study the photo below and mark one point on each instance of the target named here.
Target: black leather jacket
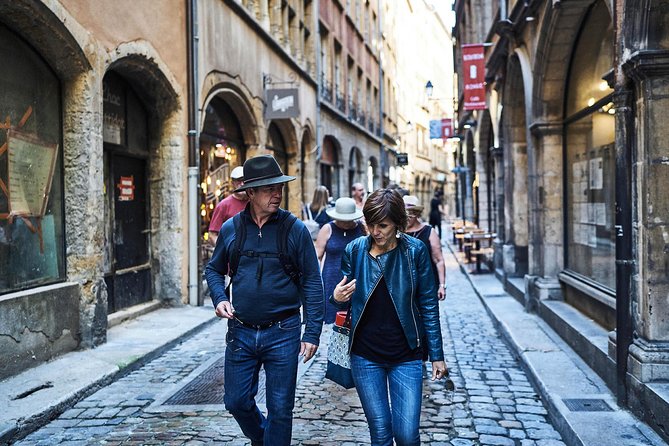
(407, 271)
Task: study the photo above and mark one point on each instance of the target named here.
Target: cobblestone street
(493, 403)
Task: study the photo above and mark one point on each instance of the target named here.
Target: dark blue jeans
(276, 349)
(399, 417)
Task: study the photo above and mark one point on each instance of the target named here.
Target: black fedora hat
(262, 170)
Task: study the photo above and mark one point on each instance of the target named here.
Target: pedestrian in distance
(358, 194)
(428, 235)
(229, 206)
(389, 287)
(436, 212)
(319, 204)
(270, 258)
(332, 239)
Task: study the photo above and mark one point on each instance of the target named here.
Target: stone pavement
(493, 404)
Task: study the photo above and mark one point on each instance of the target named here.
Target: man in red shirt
(229, 206)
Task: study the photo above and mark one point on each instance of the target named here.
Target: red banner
(446, 128)
(473, 73)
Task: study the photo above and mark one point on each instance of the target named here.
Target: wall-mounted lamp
(429, 89)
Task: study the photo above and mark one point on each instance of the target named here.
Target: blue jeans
(276, 349)
(399, 417)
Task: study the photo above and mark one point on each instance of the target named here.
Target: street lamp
(429, 88)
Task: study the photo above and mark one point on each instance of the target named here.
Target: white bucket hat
(344, 210)
(237, 173)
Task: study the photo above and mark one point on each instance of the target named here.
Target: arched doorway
(127, 257)
(277, 144)
(373, 177)
(328, 164)
(354, 167)
(222, 148)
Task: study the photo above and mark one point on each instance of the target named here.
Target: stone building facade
(571, 144)
(89, 103)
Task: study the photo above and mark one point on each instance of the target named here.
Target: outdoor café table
(477, 238)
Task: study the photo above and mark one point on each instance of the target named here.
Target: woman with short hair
(390, 290)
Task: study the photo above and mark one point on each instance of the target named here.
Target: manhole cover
(206, 388)
(587, 405)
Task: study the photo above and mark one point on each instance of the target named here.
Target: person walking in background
(428, 235)
(268, 284)
(229, 206)
(316, 210)
(332, 239)
(358, 194)
(436, 212)
(389, 287)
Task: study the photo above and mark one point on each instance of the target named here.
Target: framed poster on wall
(31, 163)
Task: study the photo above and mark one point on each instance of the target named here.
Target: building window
(31, 169)
(590, 153)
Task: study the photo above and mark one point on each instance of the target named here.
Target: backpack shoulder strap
(237, 244)
(286, 221)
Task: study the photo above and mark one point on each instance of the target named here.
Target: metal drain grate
(206, 388)
(587, 405)
(494, 295)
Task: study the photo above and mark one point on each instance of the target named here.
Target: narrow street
(161, 403)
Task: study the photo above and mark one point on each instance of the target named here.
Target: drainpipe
(319, 81)
(193, 158)
(624, 100)
(382, 164)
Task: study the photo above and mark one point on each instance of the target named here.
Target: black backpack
(285, 222)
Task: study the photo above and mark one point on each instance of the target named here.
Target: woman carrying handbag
(389, 286)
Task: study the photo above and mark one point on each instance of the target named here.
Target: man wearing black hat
(263, 301)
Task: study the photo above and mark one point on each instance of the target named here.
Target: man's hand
(225, 309)
(308, 350)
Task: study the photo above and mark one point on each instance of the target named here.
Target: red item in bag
(340, 319)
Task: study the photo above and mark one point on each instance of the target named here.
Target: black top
(423, 234)
(379, 336)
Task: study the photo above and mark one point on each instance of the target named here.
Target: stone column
(545, 197)
(84, 201)
(498, 157)
(649, 353)
(514, 251)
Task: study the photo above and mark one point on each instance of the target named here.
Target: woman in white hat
(331, 241)
(428, 235)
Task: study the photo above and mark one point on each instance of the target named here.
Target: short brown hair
(385, 203)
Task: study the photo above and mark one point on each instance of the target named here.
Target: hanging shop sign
(402, 159)
(281, 103)
(473, 71)
(441, 128)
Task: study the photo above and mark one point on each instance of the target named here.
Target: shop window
(590, 153)
(31, 165)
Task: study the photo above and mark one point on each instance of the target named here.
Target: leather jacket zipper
(350, 346)
(411, 300)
